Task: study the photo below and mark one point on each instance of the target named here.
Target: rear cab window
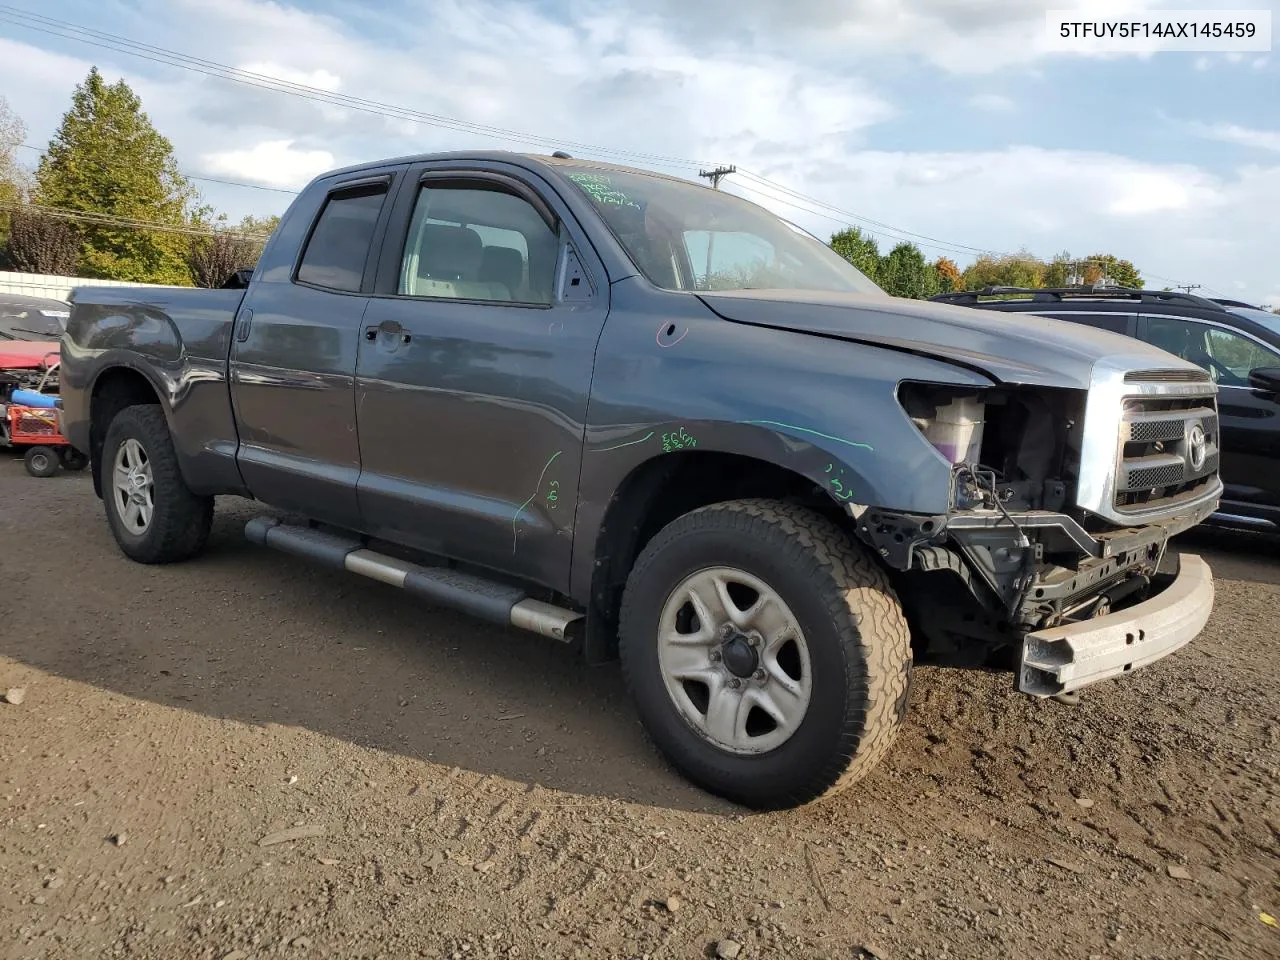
(337, 250)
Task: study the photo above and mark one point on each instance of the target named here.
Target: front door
(1249, 419)
(294, 356)
(474, 371)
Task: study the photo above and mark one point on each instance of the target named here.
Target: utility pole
(716, 175)
(1188, 287)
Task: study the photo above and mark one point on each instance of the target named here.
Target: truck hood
(1008, 347)
(28, 354)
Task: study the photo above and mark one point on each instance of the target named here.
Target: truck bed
(174, 341)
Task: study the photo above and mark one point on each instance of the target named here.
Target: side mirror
(1266, 379)
(239, 280)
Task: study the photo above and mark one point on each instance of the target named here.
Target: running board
(485, 599)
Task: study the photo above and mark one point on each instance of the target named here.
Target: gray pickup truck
(654, 420)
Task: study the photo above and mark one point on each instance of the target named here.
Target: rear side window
(339, 245)
(1115, 322)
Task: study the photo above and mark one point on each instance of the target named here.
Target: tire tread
(861, 602)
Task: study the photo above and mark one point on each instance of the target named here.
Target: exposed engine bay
(1013, 554)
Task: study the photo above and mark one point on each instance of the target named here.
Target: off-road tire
(181, 520)
(41, 461)
(853, 624)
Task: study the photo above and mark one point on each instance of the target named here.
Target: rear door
(1249, 419)
(293, 359)
(475, 369)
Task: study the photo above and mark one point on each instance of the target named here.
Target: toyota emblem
(1196, 447)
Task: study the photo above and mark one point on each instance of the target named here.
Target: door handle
(391, 329)
(244, 323)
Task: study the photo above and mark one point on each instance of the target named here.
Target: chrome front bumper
(1066, 658)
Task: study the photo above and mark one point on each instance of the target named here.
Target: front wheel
(153, 514)
(768, 655)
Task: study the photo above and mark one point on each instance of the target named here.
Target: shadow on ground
(1235, 555)
(251, 635)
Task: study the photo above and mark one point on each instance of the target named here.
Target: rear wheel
(153, 514)
(41, 461)
(768, 655)
(72, 459)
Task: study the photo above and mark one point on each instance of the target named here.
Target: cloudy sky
(951, 122)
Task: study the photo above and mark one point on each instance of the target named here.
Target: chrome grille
(1166, 376)
(1159, 446)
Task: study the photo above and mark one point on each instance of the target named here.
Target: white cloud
(728, 81)
(312, 78)
(1243, 136)
(993, 103)
(960, 36)
(275, 163)
(1174, 220)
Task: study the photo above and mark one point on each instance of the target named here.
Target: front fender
(823, 408)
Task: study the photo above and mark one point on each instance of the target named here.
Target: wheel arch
(114, 389)
(669, 485)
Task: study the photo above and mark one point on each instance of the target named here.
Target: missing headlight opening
(1025, 438)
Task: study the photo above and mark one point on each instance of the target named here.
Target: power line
(97, 38)
(110, 220)
(192, 176)
(108, 41)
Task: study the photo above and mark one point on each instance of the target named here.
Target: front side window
(683, 236)
(1227, 355)
(469, 242)
(339, 244)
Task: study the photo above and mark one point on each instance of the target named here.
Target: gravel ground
(244, 757)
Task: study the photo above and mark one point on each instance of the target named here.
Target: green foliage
(13, 179)
(1016, 270)
(107, 158)
(1106, 267)
(862, 251)
(905, 273)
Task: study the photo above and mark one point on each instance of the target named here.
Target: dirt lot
(478, 793)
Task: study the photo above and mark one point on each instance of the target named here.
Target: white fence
(55, 287)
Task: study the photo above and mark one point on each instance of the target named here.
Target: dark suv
(1238, 344)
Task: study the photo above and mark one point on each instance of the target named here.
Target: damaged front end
(1025, 553)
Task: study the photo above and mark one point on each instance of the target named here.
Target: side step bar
(485, 599)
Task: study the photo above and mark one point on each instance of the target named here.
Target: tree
(214, 257)
(1108, 268)
(1017, 270)
(107, 159)
(1060, 271)
(906, 273)
(949, 277)
(862, 251)
(43, 243)
(13, 179)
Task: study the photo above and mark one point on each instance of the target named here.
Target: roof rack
(1235, 303)
(1059, 294)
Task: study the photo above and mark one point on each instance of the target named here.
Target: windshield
(1269, 320)
(684, 236)
(25, 321)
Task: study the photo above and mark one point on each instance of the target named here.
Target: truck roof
(505, 156)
